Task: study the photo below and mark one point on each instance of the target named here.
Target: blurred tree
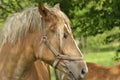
(8, 7)
(89, 17)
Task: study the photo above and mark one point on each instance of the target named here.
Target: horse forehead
(67, 28)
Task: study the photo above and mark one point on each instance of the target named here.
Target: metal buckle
(44, 38)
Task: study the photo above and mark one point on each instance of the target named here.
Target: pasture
(102, 58)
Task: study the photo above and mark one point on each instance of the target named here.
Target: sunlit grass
(52, 73)
(1, 26)
(103, 58)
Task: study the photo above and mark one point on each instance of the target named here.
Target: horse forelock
(17, 25)
(62, 17)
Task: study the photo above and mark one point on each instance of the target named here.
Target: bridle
(58, 56)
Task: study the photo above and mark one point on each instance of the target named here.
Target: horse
(99, 72)
(39, 33)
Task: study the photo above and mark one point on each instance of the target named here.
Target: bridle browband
(58, 56)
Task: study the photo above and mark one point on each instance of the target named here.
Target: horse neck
(43, 70)
(16, 60)
(32, 74)
(39, 71)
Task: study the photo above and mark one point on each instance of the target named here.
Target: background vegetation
(95, 24)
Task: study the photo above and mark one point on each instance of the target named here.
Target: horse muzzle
(76, 70)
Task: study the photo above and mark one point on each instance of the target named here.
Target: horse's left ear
(44, 12)
(57, 6)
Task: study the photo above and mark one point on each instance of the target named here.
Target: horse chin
(70, 77)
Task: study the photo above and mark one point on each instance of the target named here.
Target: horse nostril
(83, 71)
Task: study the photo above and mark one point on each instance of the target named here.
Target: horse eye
(65, 36)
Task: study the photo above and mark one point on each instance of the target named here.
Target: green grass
(1, 26)
(52, 73)
(103, 58)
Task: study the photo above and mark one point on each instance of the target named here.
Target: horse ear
(57, 6)
(43, 11)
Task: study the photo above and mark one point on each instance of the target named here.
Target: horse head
(57, 46)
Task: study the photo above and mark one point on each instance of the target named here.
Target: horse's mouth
(72, 77)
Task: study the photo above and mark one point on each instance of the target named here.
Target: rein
(58, 56)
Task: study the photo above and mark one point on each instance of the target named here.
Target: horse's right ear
(44, 12)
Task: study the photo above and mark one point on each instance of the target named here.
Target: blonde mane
(17, 25)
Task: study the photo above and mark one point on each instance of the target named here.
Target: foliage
(93, 16)
(8, 7)
(107, 41)
(89, 17)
